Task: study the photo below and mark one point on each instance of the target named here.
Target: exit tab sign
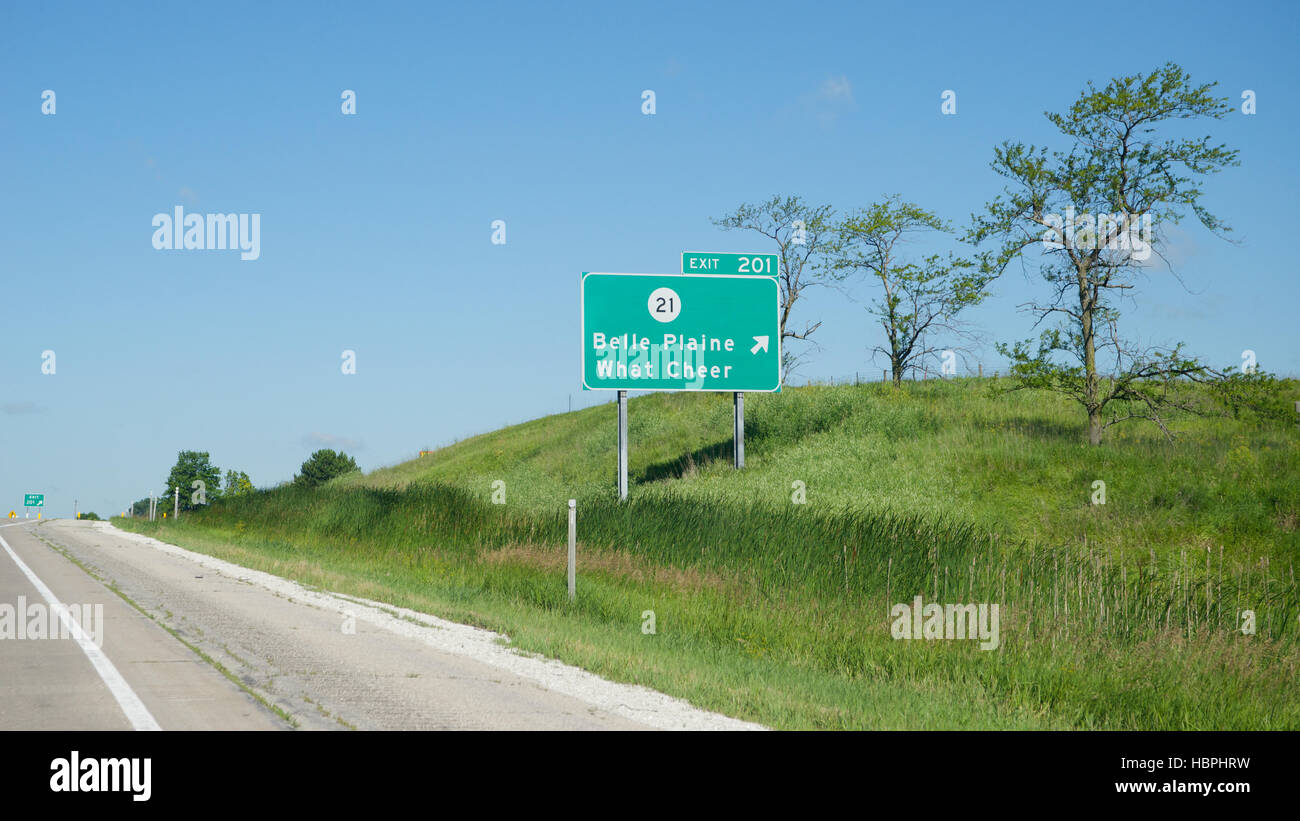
(758, 265)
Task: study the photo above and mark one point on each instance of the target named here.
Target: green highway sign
(34, 500)
(698, 262)
(680, 333)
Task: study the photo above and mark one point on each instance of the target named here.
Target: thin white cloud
(832, 98)
(836, 90)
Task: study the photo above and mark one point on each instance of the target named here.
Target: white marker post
(176, 512)
(573, 549)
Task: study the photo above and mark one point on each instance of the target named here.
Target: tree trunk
(1090, 384)
(1087, 304)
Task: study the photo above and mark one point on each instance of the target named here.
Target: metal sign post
(622, 445)
(738, 437)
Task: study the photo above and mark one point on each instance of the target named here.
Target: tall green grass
(1122, 616)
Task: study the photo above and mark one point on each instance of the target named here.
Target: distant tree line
(201, 483)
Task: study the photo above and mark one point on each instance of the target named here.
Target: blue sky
(376, 228)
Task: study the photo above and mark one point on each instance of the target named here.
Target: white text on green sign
(699, 262)
(672, 332)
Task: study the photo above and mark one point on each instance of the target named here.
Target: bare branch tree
(800, 232)
(918, 301)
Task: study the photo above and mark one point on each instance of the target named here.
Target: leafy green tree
(324, 465)
(192, 466)
(801, 232)
(237, 484)
(1256, 395)
(1094, 213)
(917, 300)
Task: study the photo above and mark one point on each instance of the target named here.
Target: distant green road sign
(680, 333)
(699, 262)
(34, 500)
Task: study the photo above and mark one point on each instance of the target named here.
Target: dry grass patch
(613, 563)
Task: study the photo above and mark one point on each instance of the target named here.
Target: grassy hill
(1120, 615)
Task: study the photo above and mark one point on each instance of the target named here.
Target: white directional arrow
(760, 344)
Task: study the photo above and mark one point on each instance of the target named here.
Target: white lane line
(132, 706)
